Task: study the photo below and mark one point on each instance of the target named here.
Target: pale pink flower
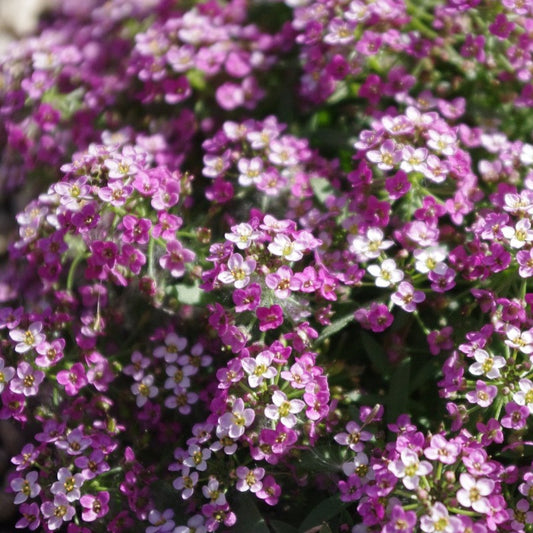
(440, 521)
(239, 271)
(248, 479)
(409, 468)
(236, 421)
(258, 368)
(26, 340)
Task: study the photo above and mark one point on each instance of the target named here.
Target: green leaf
(336, 326)
(248, 516)
(189, 295)
(277, 526)
(197, 79)
(324, 511)
(322, 188)
(398, 396)
(375, 353)
(424, 374)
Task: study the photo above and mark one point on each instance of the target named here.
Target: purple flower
(73, 379)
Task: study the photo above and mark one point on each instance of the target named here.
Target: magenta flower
(136, 230)
(31, 516)
(73, 379)
(269, 317)
(379, 317)
(270, 492)
(401, 521)
(515, 416)
(217, 515)
(247, 299)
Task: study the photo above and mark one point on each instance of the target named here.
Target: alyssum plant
(272, 270)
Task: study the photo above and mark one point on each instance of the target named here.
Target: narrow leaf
(324, 511)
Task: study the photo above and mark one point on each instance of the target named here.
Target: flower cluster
(270, 267)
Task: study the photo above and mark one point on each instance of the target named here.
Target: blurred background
(18, 18)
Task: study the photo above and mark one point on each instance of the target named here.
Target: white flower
(525, 395)
(444, 143)
(144, 389)
(486, 364)
(250, 170)
(520, 235)
(284, 247)
(370, 246)
(440, 521)
(520, 340)
(68, 484)
(197, 458)
(427, 259)
(473, 491)
(186, 482)
(243, 235)
(284, 409)
(6, 374)
(26, 487)
(386, 274)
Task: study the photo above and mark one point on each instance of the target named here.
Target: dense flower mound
(270, 269)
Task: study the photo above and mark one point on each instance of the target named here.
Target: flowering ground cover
(272, 271)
